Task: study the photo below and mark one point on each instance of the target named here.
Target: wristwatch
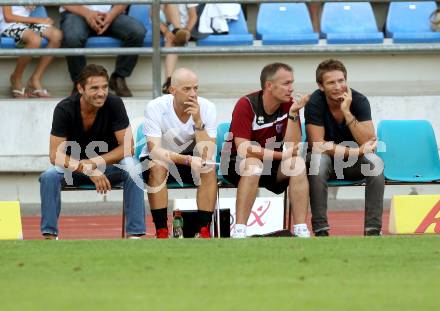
(201, 128)
(293, 118)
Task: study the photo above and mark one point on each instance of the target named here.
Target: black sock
(204, 218)
(160, 217)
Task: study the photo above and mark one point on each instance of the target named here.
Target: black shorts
(268, 179)
(184, 171)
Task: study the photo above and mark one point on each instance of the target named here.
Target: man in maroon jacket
(266, 131)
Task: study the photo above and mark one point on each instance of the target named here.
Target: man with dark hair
(180, 128)
(79, 22)
(90, 133)
(262, 122)
(342, 140)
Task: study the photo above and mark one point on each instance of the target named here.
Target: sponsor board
(10, 221)
(266, 215)
(415, 214)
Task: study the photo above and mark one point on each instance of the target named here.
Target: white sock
(239, 231)
(301, 230)
(299, 226)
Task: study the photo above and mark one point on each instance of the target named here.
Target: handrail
(156, 50)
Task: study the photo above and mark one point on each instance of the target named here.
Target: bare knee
(55, 36)
(295, 166)
(209, 177)
(251, 167)
(31, 40)
(157, 175)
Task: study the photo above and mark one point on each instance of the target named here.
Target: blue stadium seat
(141, 12)
(140, 141)
(408, 22)
(349, 23)
(222, 131)
(103, 42)
(238, 35)
(285, 23)
(9, 43)
(411, 153)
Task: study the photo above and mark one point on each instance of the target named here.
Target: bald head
(181, 76)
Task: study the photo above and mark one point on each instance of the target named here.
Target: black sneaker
(372, 232)
(322, 233)
(49, 236)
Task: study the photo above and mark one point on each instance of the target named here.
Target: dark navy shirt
(318, 113)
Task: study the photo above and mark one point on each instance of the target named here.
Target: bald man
(180, 128)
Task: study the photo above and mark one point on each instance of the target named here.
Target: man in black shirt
(90, 133)
(342, 140)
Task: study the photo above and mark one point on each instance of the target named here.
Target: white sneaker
(301, 231)
(239, 232)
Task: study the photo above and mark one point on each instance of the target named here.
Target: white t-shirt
(161, 121)
(19, 10)
(104, 8)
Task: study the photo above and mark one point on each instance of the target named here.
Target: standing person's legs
(294, 169)
(76, 32)
(54, 36)
(133, 187)
(370, 167)
(320, 170)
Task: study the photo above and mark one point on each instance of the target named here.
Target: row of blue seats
(346, 23)
(290, 24)
(410, 152)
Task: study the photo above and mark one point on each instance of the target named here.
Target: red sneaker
(162, 233)
(204, 233)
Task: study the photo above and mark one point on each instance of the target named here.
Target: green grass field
(388, 273)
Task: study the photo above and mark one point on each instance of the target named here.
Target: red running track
(109, 227)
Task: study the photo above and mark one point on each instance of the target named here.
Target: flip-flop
(16, 93)
(38, 93)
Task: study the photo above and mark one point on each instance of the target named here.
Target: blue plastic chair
(411, 153)
(238, 35)
(222, 137)
(285, 23)
(408, 22)
(9, 43)
(349, 23)
(140, 142)
(141, 12)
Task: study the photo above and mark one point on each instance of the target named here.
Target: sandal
(16, 93)
(38, 93)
